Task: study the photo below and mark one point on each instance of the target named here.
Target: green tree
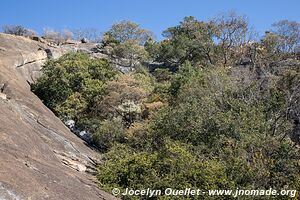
(192, 41)
(127, 30)
(125, 40)
(73, 82)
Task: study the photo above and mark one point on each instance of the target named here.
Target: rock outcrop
(39, 157)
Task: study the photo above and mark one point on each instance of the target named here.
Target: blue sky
(156, 15)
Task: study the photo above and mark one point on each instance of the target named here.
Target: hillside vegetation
(208, 107)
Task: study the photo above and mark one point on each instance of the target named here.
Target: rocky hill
(39, 157)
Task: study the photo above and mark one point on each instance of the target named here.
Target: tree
(91, 34)
(58, 36)
(231, 31)
(289, 35)
(199, 125)
(131, 51)
(124, 43)
(129, 31)
(222, 120)
(67, 34)
(72, 83)
(192, 41)
(18, 30)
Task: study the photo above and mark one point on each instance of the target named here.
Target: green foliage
(176, 167)
(125, 97)
(125, 40)
(130, 49)
(73, 105)
(108, 133)
(184, 75)
(71, 83)
(162, 75)
(212, 135)
(127, 30)
(205, 123)
(192, 41)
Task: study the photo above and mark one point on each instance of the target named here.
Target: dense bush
(175, 166)
(206, 119)
(209, 137)
(109, 133)
(74, 82)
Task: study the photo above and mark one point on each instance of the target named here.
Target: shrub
(124, 97)
(71, 84)
(108, 133)
(91, 34)
(72, 106)
(57, 36)
(18, 30)
(175, 167)
(213, 135)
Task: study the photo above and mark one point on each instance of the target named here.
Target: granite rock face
(39, 157)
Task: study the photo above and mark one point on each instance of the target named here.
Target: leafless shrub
(18, 30)
(58, 37)
(91, 34)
